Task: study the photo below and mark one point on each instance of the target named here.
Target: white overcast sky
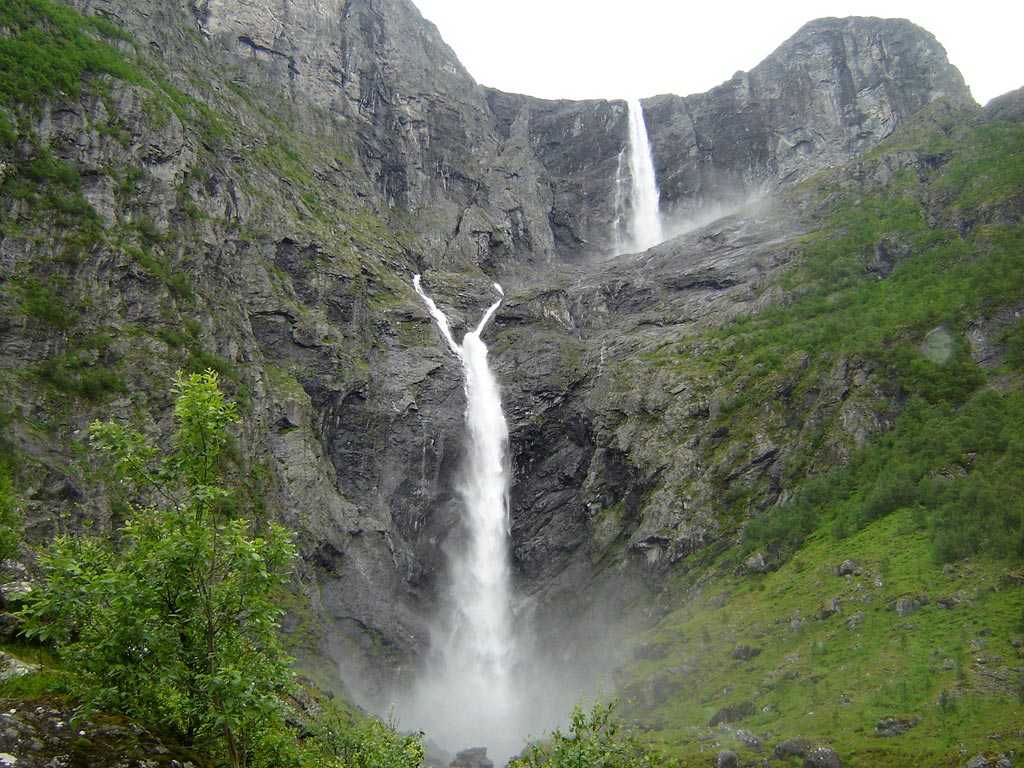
(600, 49)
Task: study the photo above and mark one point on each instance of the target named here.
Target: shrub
(174, 625)
(595, 740)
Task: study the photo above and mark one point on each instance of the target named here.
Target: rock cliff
(252, 188)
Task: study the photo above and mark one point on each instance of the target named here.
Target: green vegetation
(88, 370)
(10, 519)
(51, 190)
(47, 49)
(961, 470)
(176, 281)
(341, 740)
(173, 626)
(885, 305)
(595, 739)
(890, 284)
(41, 302)
(836, 655)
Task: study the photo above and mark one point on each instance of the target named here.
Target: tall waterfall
(467, 696)
(646, 216)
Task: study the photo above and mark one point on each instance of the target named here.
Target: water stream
(645, 214)
(467, 695)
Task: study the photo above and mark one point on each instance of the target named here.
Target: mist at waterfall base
(484, 684)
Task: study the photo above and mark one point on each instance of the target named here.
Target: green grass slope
(913, 271)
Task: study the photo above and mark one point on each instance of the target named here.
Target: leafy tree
(174, 625)
(595, 740)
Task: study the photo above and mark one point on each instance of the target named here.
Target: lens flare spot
(938, 345)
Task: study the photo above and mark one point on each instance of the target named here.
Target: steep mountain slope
(250, 188)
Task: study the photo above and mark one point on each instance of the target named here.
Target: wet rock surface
(49, 735)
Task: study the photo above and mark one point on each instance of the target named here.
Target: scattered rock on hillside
(732, 712)
(755, 563)
(749, 740)
(906, 606)
(41, 736)
(10, 625)
(15, 593)
(651, 651)
(727, 759)
(855, 621)
(11, 667)
(980, 761)
(820, 756)
(795, 747)
(849, 567)
(745, 652)
(894, 726)
(830, 608)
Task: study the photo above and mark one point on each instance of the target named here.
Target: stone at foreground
(822, 757)
(35, 735)
(475, 757)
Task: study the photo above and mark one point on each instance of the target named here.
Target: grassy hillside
(913, 272)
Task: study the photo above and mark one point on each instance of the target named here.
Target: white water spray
(646, 216)
(467, 696)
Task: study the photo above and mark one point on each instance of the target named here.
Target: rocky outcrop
(36, 736)
(829, 93)
(1009, 106)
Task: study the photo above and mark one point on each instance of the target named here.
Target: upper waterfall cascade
(645, 215)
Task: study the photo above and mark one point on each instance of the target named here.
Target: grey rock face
(836, 87)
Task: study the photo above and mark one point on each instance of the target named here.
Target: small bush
(595, 740)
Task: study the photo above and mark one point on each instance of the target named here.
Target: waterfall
(467, 695)
(619, 229)
(646, 219)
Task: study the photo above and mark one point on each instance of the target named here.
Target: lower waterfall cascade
(467, 696)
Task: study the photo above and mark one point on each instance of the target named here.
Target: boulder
(849, 567)
(732, 712)
(10, 625)
(894, 726)
(907, 606)
(749, 740)
(820, 756)
(745, 652)
(475, 757)
(794, 747)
